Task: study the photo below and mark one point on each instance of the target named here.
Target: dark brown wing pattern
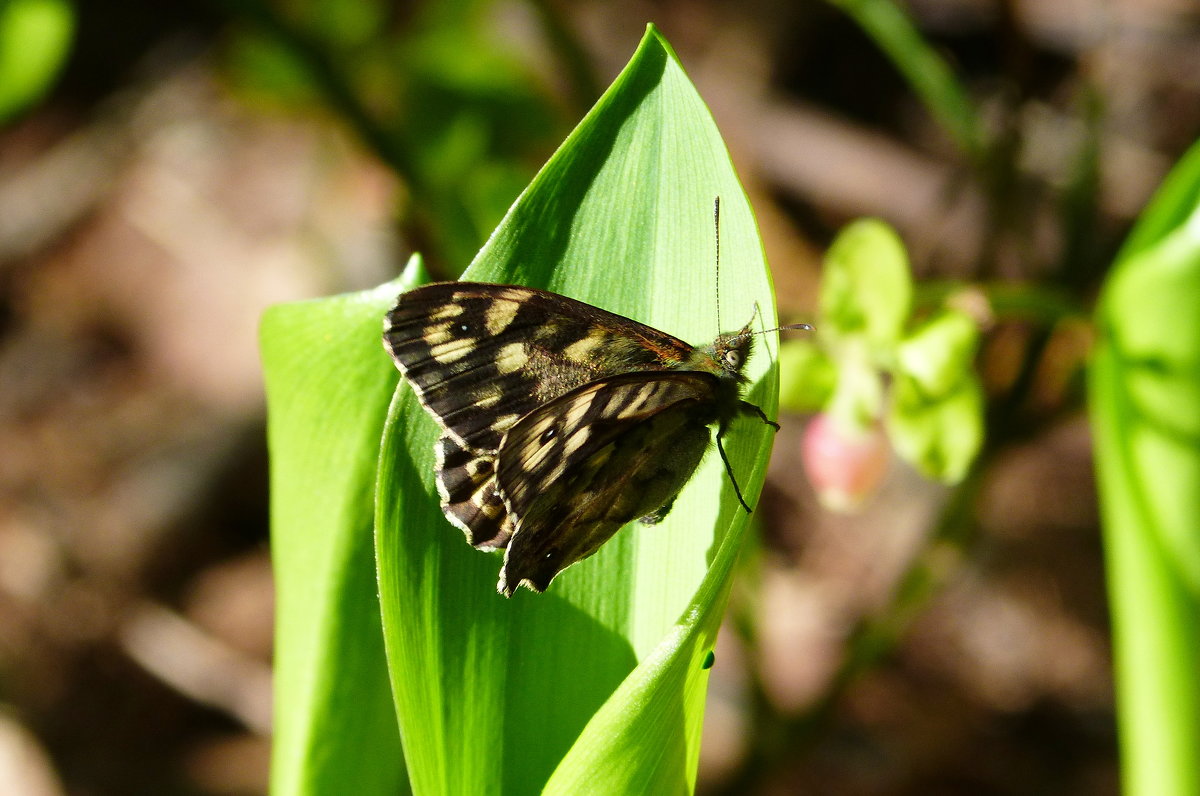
(480, 357)
(574, 471)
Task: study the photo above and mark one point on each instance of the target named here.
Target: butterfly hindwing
(574, 471)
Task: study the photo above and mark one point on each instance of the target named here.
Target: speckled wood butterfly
(561, 421)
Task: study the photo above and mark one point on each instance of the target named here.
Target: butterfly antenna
(804, 327)
(717, 237)
(757, 309)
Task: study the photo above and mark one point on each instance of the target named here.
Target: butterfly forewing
(575, 470)
(482, 356)
(466, 482)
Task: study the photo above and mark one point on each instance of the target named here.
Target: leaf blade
(323, 436)
(621, 218)
(1144, 384)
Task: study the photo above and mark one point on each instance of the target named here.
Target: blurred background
(169, 170)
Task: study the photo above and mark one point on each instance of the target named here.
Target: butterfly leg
(748, 408)
(729, 467)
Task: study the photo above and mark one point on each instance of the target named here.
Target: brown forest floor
(147, 217)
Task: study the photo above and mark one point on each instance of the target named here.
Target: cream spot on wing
(477, 468)
(511, 357)
(488, 396)
(500, 314)
(537, 454)
(487, 401)
(504, 422)
(582, 404)
(576, 440)
(644, 393)
(446, 311)
(438, 334)
(580, 350)
(549, 328)
(452, 350)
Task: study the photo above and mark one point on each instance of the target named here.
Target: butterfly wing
(482, 356)
(575, 470)
(466, 483)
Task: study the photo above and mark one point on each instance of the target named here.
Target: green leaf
(1145, 389)
(599, 681)
(328, 384)
(940, 353)
(941, 435)
(866, 288)
(35, 39)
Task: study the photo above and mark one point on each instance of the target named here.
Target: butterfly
(561, 422)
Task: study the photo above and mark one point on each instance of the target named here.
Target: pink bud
(844, 466)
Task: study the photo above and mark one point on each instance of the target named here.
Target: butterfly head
(728, 354)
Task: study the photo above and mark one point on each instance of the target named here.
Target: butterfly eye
(733, 359)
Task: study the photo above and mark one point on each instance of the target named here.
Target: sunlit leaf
(598, 681)
(327, 396)
(1145, 388)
